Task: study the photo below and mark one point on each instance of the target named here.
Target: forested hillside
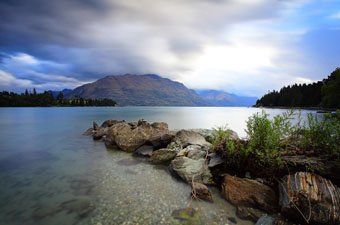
(323, 94)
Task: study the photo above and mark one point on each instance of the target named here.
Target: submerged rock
(80, 206)
(200, 191)
(249, 193)
(163, 155)
(189, 215)
(190, 169)
(307, 196)
(43, 212)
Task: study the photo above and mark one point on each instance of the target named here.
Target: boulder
(100, 133)
(160, 125)
(129, 138)
(144, 151)
(163, 155)
(310, 197)
(208, 134)
(161, 138)
(249, 193)
(193, 152)
(200, 191)
(110, 123)
(186, 137)
(192, 170)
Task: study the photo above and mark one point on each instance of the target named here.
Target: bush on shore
(269, 139)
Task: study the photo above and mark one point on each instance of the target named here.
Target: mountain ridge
(140, 90)
(222, 98)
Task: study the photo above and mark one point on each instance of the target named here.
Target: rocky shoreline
(296, 197)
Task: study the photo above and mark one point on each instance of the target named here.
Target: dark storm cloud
(115, 37)
(82, 40)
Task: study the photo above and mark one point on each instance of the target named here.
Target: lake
(51, 174)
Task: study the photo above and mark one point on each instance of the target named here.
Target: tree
(331, 90)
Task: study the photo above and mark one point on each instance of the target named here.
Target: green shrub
(265, 137)
(231, 149)
(322, 135)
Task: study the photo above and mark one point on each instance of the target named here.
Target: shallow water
(51, 174)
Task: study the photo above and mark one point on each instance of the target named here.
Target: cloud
(244, 46)
(25, 71)
(7, 79)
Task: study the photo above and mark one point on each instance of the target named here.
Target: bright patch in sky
(244, 47)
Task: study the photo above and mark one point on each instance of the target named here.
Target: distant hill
(139, 90)
(324, 94)
(221, 98)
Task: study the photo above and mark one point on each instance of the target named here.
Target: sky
(246, 47)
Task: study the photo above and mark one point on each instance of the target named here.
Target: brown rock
(310, 197)
(95, 126)
(200, 191)
(109, 123)
(129, 138)
(249, 193)
(163, 155)
(98, 134)
(160, 125)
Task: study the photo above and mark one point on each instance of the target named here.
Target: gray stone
(190, 169)
(265, 220)
(215, 160)
(186, 138)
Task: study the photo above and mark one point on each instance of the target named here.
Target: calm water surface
(51, 174)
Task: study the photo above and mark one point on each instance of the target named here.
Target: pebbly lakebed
(51, 174)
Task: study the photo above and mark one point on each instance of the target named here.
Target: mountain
(221, 98)
(64, 91)
(139, 90)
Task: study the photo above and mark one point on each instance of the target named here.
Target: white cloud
(7, 79)
(23, 58)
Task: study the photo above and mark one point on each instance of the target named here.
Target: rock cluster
(303, 197)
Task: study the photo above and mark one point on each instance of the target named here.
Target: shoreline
(190, 156)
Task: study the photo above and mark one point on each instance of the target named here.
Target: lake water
(51, 174)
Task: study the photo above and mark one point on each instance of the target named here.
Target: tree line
(321, 94)
(34, 99)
